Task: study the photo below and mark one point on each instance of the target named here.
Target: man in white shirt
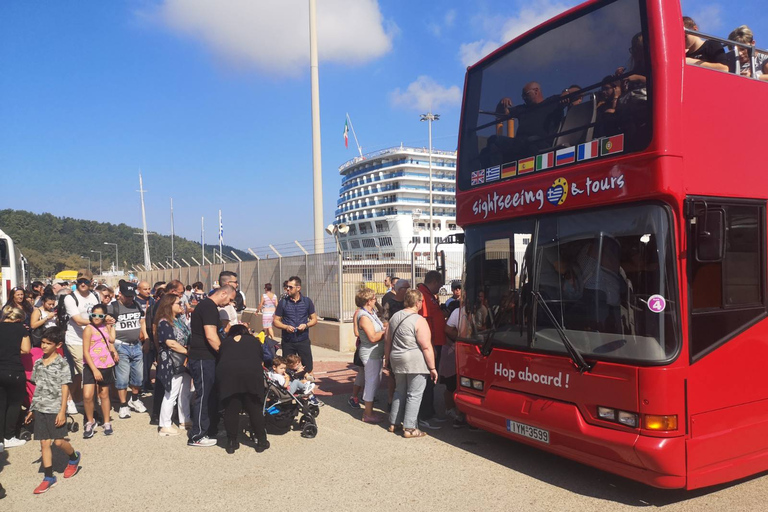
(78, 307)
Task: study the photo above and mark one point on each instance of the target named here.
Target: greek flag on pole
(221, 230)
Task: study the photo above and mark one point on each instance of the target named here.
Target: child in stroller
(286, 398)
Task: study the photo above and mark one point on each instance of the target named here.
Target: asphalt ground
(350, 465)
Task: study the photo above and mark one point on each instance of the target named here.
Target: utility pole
(317, 172)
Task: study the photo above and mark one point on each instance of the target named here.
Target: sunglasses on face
(289, 287)
(97, 315)
(83, 281)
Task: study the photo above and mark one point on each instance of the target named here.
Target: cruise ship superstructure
(384, 199)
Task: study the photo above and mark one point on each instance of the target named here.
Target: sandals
(373, 419)
(413, 432)
(395, 428)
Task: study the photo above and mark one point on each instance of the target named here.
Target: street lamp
(430, 117)
(334, 230)
(89, 261)
(117, 261)
(99, 260)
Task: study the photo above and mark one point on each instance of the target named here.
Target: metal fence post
(340, 263)
(309, 281)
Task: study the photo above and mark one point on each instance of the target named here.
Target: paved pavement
(350, 465)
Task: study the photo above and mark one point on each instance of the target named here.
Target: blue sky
(211, 100)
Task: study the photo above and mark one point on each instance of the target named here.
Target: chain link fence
(330, 279)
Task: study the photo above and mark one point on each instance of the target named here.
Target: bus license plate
(521, 429)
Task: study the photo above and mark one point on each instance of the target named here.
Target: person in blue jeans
(204, 344)
(130, 331)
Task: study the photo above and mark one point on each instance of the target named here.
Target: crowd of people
(69, 350)
(407, 341)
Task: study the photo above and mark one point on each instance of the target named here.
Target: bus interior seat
(582, 115)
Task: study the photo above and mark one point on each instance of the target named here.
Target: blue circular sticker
(657, 303)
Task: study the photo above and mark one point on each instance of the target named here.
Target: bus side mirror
(710, 236)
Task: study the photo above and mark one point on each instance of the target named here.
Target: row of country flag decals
(599, 147)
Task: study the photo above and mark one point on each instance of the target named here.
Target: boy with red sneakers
(52, 377)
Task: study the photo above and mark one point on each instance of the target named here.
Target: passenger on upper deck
(743, 35)
(538, 121)
(707, 54)
(570, 97)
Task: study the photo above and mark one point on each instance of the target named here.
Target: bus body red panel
(704, 124)
(564, 405)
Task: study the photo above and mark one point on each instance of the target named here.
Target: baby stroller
(26, 429)
(281, 407)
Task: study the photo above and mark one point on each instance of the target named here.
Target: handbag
(37, 334)
(179, 360)
(356, 358)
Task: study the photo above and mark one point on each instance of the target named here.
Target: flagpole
(359, 149)
(172, 254)
(221, 235)
(202, 237)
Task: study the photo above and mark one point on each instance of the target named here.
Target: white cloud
(526, 18)
(274, 36)
(426, 94)
(448, 21)
(709, 17)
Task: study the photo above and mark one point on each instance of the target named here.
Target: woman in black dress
(240, 380)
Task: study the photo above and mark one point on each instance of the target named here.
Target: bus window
(729, 295)
(605, 275)
(584, 79)
(5, 260)
(494, 296)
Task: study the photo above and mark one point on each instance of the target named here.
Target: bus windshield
(607, 276)
(575, 92)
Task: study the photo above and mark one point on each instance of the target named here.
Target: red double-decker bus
(615, 219)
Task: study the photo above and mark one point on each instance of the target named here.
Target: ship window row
(451, 189)
(359, 215)
(425, 239)
(346, 185)
(402, 161)
(369, 203)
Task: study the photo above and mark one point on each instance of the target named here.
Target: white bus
(13, 267)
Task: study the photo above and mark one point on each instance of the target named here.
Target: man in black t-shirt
(203, 346)
(707, 54)
(394, 302)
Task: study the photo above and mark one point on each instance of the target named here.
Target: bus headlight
(657, 422)
(628, 418)
(606, 413)
(472, 383)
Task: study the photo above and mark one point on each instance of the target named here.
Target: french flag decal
(589, 150)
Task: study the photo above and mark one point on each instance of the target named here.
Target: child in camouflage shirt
(52, 377)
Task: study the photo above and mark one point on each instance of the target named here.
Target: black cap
(127, 289)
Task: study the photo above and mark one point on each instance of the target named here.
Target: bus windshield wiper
(576, 357)
(487, 345)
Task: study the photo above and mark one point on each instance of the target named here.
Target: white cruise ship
(384, 199)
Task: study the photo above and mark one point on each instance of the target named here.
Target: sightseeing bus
(614, 209)
(13, 267)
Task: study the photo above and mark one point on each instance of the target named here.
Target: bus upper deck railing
(733, 53)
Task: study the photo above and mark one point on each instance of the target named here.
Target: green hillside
(52, 244)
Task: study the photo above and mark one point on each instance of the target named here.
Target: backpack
(239, 302)
(62, 318)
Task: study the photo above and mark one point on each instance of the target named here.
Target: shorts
(130, 366)
(450, 383)
(107, 374)
(74, 356)
(45, 427)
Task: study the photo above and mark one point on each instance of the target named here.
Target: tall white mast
(359, 148)
(173, 256)
(221, 237)
(202, 239)
(147, 261)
